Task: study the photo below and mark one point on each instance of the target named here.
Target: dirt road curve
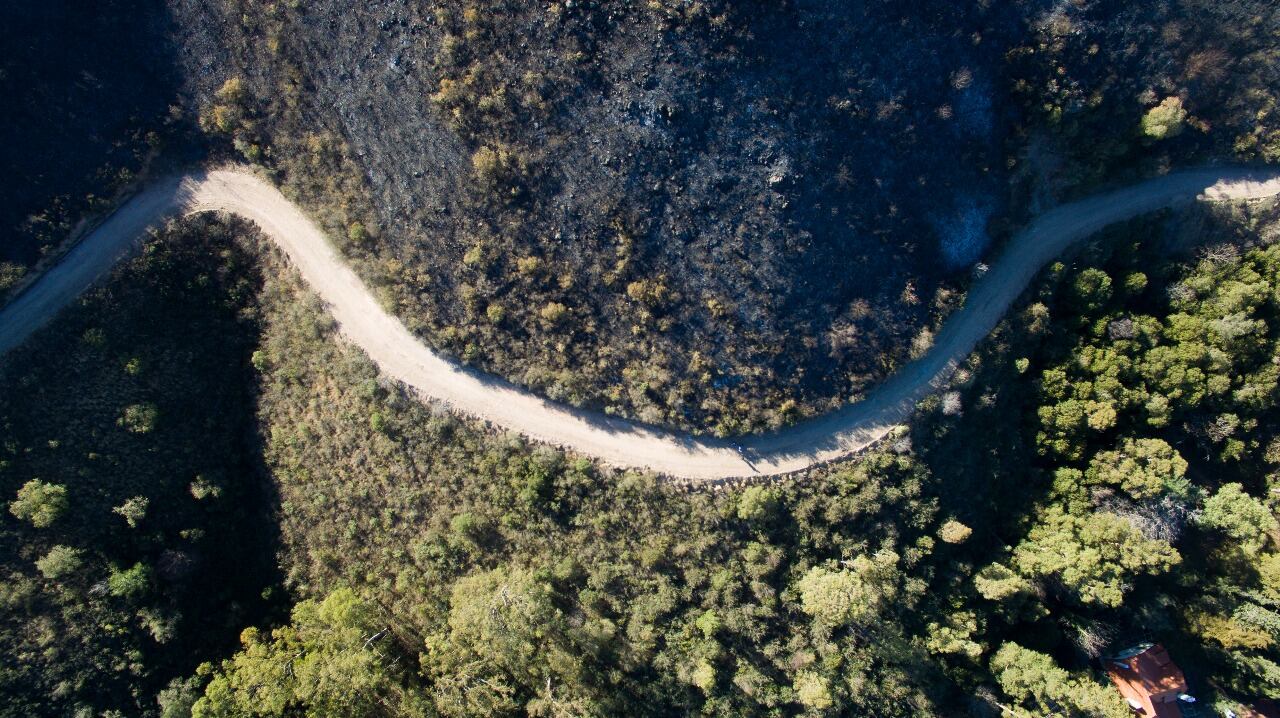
(617, 442)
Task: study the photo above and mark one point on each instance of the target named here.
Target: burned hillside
(668, 210)
(722, 216)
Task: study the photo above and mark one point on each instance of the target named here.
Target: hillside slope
(689, 214)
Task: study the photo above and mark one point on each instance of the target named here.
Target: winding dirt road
(621, 443)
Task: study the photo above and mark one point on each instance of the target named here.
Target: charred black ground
(711, 206)
(720, 216)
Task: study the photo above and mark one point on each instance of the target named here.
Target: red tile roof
(1149, 679)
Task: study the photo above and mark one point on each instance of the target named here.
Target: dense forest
(1102, 471)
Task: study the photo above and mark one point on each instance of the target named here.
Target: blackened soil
(780, 178)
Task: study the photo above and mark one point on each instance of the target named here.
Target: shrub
(130, 583)
(60, 562)
(139, 418)
(40, 503)
(757, 503)
(1164, 120)
(553, 312)
(133, 510)
(954, 532)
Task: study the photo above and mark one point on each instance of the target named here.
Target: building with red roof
(1151, 682)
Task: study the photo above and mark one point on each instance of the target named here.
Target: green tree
(1091, 290)
(1032, 679)
(334, 658)
(506, 648)
(139, 418)
(998, 582)
(131, 583)
(553, 313)
(1165, 119)
(955, 636)
(227, 114)
(1094, 557)
(40, 503)
(704, 676)
(836, 597)
(813, 691)
(954, 532)
(1067, 426)
(60, 562)
(179, 697)
(757, 503)
(1269, 573)
(1143, 468)
(1240, 516)
(133, 510)
(708, 623)
(490, 165)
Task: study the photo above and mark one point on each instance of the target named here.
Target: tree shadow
(88, 88)
(143, 394)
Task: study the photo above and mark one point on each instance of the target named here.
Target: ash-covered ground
(716, 215)
(778, 176)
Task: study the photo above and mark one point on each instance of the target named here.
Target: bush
(1164, 120)
(60, 562)
(131, 583)
(40, 503)
(553, 313)
(954, 532)
(139, 418)
(133, 510)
